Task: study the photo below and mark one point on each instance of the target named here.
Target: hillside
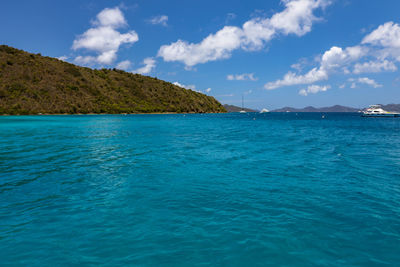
(232, 108)
(32, 84)
(336, 108)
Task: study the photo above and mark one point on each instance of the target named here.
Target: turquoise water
(197, 190)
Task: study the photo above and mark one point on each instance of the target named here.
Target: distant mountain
(32, 84)
(232, 108)
(336, 108)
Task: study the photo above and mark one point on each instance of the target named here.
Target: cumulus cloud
(241, 77)
(149, 65)
(297, 18)
(380, 48)
(208, 90)
(386, 35)
(159, 20)
(215, 46)
(291, 78)
(332, 60)
(111, 17)
(364, 80)
(313, 89)
(386, 38)
(374, 66)
(124, 65)
(104, 39)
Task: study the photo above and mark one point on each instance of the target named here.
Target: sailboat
(242, 111)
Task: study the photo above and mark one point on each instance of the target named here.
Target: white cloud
(297, 18)
(313, 89)
(291, 78)
(363, 80)
(191, 86)
(124, 65)
(386, 39)
(111, 17)
(374, 66)
(386, 35)
(85, 60)
(369, 82)
(104, 39)
(63, 58)
(303, 92)
(380, 49)
(296, 66)
(215, 46)
(332, 60)
(338, 57)
(149, 65)
(241, 77)
(160, 20)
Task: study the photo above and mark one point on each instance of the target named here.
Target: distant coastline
(336, 108)
(310, 109)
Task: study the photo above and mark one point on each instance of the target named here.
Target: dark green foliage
(34, 84)
(71, 69)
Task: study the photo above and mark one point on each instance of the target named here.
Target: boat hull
(386, 115)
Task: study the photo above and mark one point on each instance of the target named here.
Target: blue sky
(275, 53)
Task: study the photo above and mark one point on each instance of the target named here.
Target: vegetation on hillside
(32, 84)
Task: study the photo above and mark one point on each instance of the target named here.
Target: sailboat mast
(242, 103)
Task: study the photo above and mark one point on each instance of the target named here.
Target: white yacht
(264, 110)
(377, 111)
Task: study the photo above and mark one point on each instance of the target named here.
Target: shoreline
(92, 114)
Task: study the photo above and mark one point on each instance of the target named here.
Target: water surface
(280, 189)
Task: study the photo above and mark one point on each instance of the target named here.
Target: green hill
(32, 84)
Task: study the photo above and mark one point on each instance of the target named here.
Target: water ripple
(217, 189)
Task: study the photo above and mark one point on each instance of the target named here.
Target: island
(336, 108)
(35, 84)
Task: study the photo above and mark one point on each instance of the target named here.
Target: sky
(274, 53)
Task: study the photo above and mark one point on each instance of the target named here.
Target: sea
(272, 189)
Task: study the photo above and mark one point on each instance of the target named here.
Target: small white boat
(242, 111)
(264, 110)
(377, 111)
